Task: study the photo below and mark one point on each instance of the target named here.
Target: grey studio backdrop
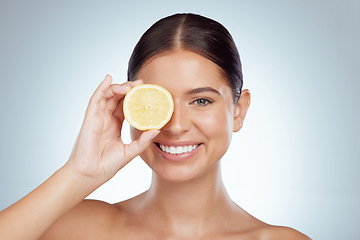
(294, 163)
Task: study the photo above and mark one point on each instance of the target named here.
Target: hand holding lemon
(99, 151)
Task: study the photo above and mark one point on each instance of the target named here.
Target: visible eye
(203, 101)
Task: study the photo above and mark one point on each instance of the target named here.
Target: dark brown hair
(194, 33)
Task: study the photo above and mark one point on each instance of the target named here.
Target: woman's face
(201, 127)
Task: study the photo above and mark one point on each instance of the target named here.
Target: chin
(175, 174)
(180, 173)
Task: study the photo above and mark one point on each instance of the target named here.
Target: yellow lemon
(148, 106)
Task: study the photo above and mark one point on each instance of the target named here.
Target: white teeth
(178, 149)
(172, 150)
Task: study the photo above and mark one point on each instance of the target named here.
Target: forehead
(182, 68)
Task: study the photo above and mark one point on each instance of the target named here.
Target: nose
(180, 120)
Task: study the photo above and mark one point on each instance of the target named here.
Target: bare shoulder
(90, 219)
(280, 233)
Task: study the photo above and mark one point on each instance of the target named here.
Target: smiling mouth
(177, 149)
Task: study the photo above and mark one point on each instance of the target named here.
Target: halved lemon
(148, 106)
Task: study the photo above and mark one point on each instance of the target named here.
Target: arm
(33, 214)
(98, 155)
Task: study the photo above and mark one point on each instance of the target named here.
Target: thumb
(139, 145)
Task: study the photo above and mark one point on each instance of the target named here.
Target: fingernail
(108, 76)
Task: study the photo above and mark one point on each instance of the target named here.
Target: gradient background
(294, 163)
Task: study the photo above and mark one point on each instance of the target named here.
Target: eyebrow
(203, 89)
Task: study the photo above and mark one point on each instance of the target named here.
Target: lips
(177, 152)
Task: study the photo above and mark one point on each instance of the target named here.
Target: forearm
(97, 156)
(31, 216)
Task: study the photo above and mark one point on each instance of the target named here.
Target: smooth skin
(187, 198)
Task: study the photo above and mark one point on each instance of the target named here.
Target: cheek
(216, 124)
(217, 129)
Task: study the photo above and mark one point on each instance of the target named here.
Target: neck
(191, 203)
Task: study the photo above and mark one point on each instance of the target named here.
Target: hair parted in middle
(195, 33)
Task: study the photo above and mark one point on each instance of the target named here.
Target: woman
(196, 59)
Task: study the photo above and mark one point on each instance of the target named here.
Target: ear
(240, 109)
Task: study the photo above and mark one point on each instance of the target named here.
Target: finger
(120, 89)
(102, 89)
(97, 97)
(118, 113)
(138, 146)
(114, 94)
(117, 92)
